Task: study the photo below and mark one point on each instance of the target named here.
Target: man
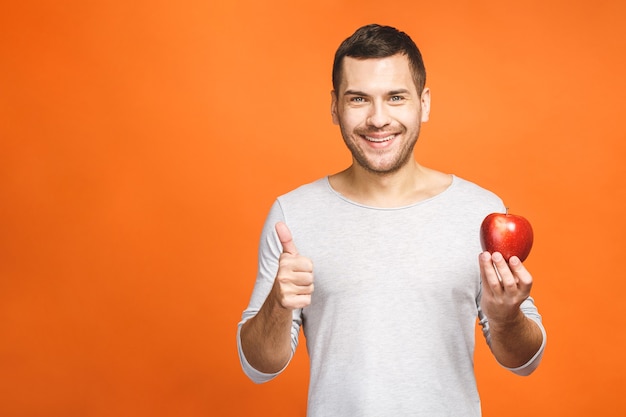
(381, 263)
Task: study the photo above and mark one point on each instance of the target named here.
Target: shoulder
(307, 191)
(471, 187)
(474, 194)
(307, 197)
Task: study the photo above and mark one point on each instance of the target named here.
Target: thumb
(284, 234)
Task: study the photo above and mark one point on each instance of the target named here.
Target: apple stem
(507, 211)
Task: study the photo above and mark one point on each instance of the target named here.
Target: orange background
(143, 142)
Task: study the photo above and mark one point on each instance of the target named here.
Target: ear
(425, 103)
(333, 107)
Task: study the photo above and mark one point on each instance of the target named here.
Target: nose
(378, 115)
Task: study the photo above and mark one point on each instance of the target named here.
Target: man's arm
(266, 337)
(515, 338)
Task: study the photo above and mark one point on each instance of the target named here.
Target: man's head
(376, 41)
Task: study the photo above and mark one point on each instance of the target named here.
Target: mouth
(379, 138)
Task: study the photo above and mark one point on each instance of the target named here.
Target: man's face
(379, 111)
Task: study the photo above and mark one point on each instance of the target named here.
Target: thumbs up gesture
(293, 286)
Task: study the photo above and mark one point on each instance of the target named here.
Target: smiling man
(381, 263)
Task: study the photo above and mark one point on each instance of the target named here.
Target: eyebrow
(361, 93)
(400, 91)
(354, 93)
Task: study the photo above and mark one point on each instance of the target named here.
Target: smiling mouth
(379, 139)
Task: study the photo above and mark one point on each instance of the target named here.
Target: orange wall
(141, 144)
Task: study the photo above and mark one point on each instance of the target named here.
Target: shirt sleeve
(530, 310)
(269, 252)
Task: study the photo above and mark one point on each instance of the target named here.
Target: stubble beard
(400, 158)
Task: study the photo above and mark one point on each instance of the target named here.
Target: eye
(396, 98)
(357, 99)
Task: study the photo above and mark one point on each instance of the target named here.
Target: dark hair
(376, 41)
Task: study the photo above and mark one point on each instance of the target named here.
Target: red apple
(508, 234)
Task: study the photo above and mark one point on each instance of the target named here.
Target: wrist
(508, 323)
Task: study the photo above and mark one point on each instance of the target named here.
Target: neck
(406, 186)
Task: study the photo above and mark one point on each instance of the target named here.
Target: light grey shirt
(391, 324)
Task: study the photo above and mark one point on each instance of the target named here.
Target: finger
(303, 288)
(292, 296)
(522, 276)
(489, 275)
(297, 301)
(506, 276)
(297, 278)
(284, 234)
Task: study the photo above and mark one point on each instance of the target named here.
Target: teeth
(380, 140)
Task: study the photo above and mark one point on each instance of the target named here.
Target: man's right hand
(266, 337)
(293, 286)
